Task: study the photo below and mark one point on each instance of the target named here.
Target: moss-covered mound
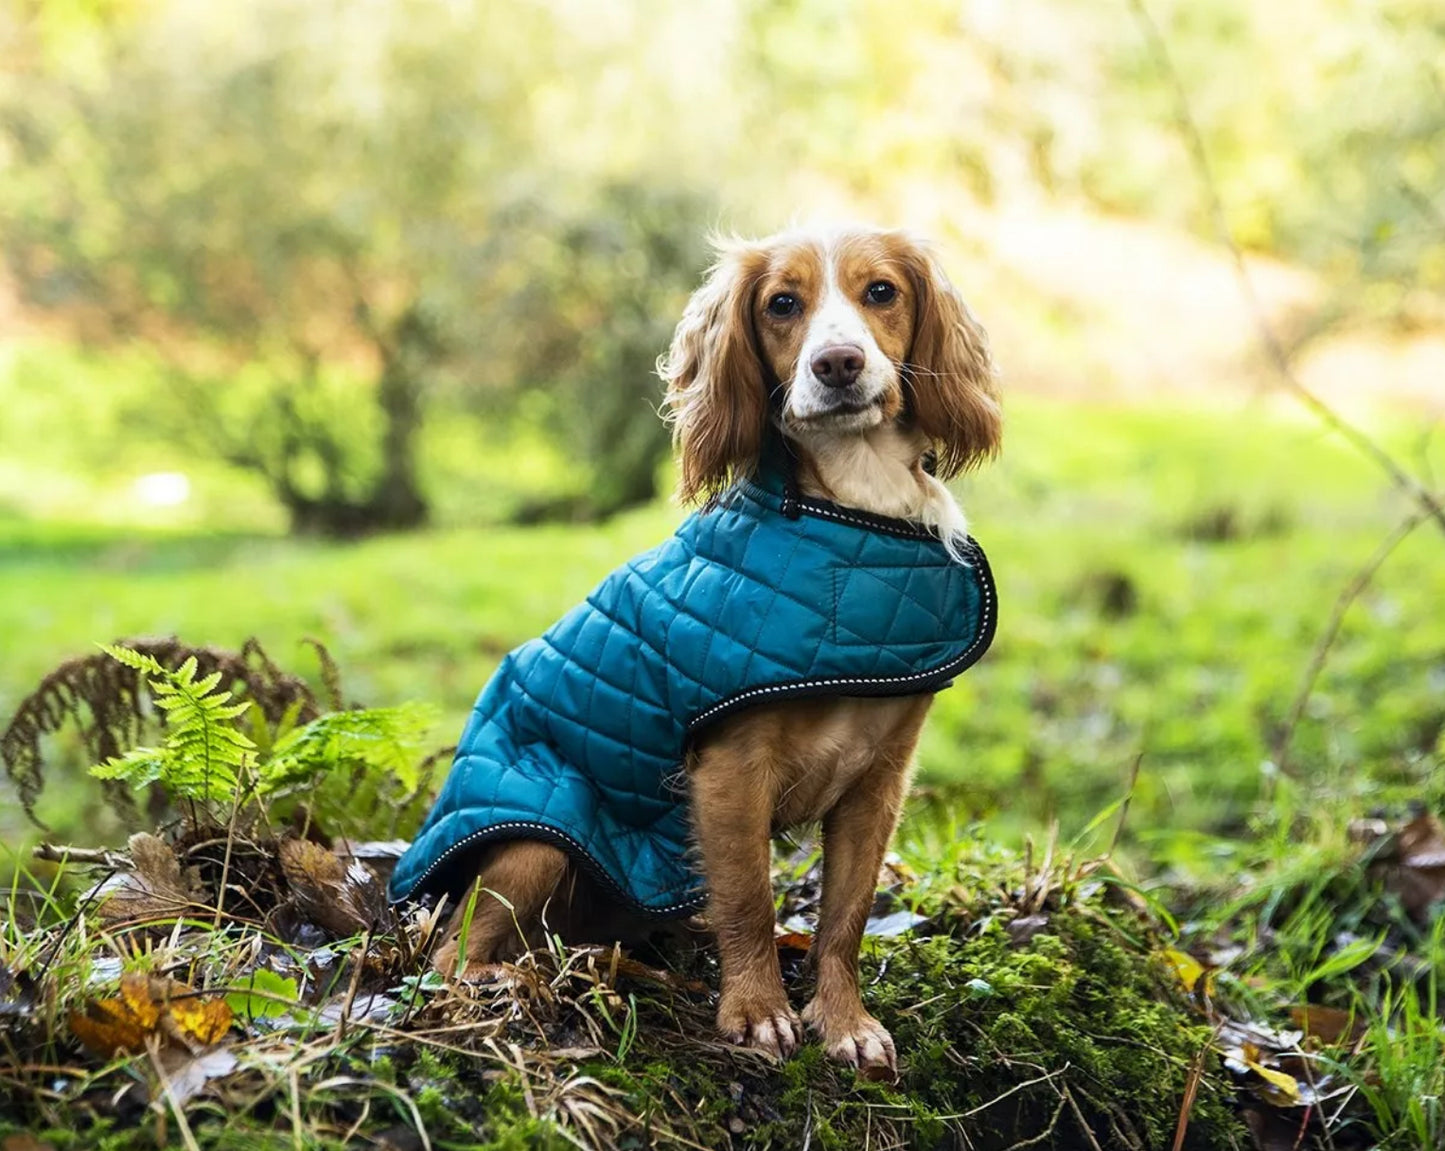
(1064, 1037)
(239, 981)
(1061, 1032)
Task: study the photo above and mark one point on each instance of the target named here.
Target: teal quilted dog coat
(579, 737)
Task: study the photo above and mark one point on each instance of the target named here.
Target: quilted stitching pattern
(579, 736)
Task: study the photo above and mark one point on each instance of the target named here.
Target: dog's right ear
(717, 398)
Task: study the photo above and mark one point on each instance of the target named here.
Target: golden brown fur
(754, 346)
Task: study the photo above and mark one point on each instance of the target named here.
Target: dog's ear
(717, 397)
(952, 383)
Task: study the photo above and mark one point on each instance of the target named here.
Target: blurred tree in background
(319, 216)
(366, 248)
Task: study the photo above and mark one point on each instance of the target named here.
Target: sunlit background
(337, 320)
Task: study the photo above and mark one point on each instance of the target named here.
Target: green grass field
(1164, 574)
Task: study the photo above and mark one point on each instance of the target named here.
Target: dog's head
(826, 332)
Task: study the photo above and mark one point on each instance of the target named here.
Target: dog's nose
(838, 365)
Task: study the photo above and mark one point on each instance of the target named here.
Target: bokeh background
(338, 320)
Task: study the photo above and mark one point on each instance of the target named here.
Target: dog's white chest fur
(877, 471)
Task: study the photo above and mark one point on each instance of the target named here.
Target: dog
(849, 356)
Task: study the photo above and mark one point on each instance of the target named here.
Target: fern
(204, 755)
(345, 767)
(387, 739)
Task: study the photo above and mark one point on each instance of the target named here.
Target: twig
(1278, 357)
(62, 853)
(1191, 1092)
(226, 861)
(359, 964)
(187, 1136)
(1044, 1078)
(1347, 596)
(1124, 807)
(1083, 1123)
(1047, 1132)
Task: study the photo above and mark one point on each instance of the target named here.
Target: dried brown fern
(108, 707)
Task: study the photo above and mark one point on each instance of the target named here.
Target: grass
(1006, 1037)
(1163, 574)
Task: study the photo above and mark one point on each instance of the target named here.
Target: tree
(300, 216)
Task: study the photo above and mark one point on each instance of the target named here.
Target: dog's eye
(783, 304)
(881, 292)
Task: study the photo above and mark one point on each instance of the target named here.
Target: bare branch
(1327, 638)
(1274, 349)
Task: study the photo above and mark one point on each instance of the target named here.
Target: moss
(1002, 1040)
(999, 1042)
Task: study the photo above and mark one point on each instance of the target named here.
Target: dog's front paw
(860, 1041)
(769, 1026)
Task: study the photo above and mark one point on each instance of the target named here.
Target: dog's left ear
(952, 382)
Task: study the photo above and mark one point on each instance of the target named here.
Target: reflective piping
(546, 831)
(918, 680)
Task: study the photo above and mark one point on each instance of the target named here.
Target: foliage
(1006, 1035)
(315, 243)
(612, 277)
(101, 698)
(205, 757)
(345, 768)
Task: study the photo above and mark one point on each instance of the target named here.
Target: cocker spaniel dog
(770, 665)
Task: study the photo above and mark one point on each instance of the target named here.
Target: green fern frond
(382, 739)
(140, 767)
(342, 768)
(204, 755)
(134, 659)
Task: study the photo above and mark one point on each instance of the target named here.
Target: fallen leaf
(1329, 1025)
(1186, 968)
(1422, 842)
(154, 888)
(198, 1021)
(344, 899)
(1415, 869)
(1254, 1037)
(362, 1008)
(150, 1006)
(794, 941)
(187, 1074)
(1025, 927)
(1280, 1089)
(107, 1026)
(896, 923)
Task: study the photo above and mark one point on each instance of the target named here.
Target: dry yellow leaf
(107, 1026)
(1186, 968)
(146, 1007)
(140, 1001)
(1281, 1089)
(202, 1021)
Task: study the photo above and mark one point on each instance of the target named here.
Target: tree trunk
(396, 500)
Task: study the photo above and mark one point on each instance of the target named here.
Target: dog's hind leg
(526, 873)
